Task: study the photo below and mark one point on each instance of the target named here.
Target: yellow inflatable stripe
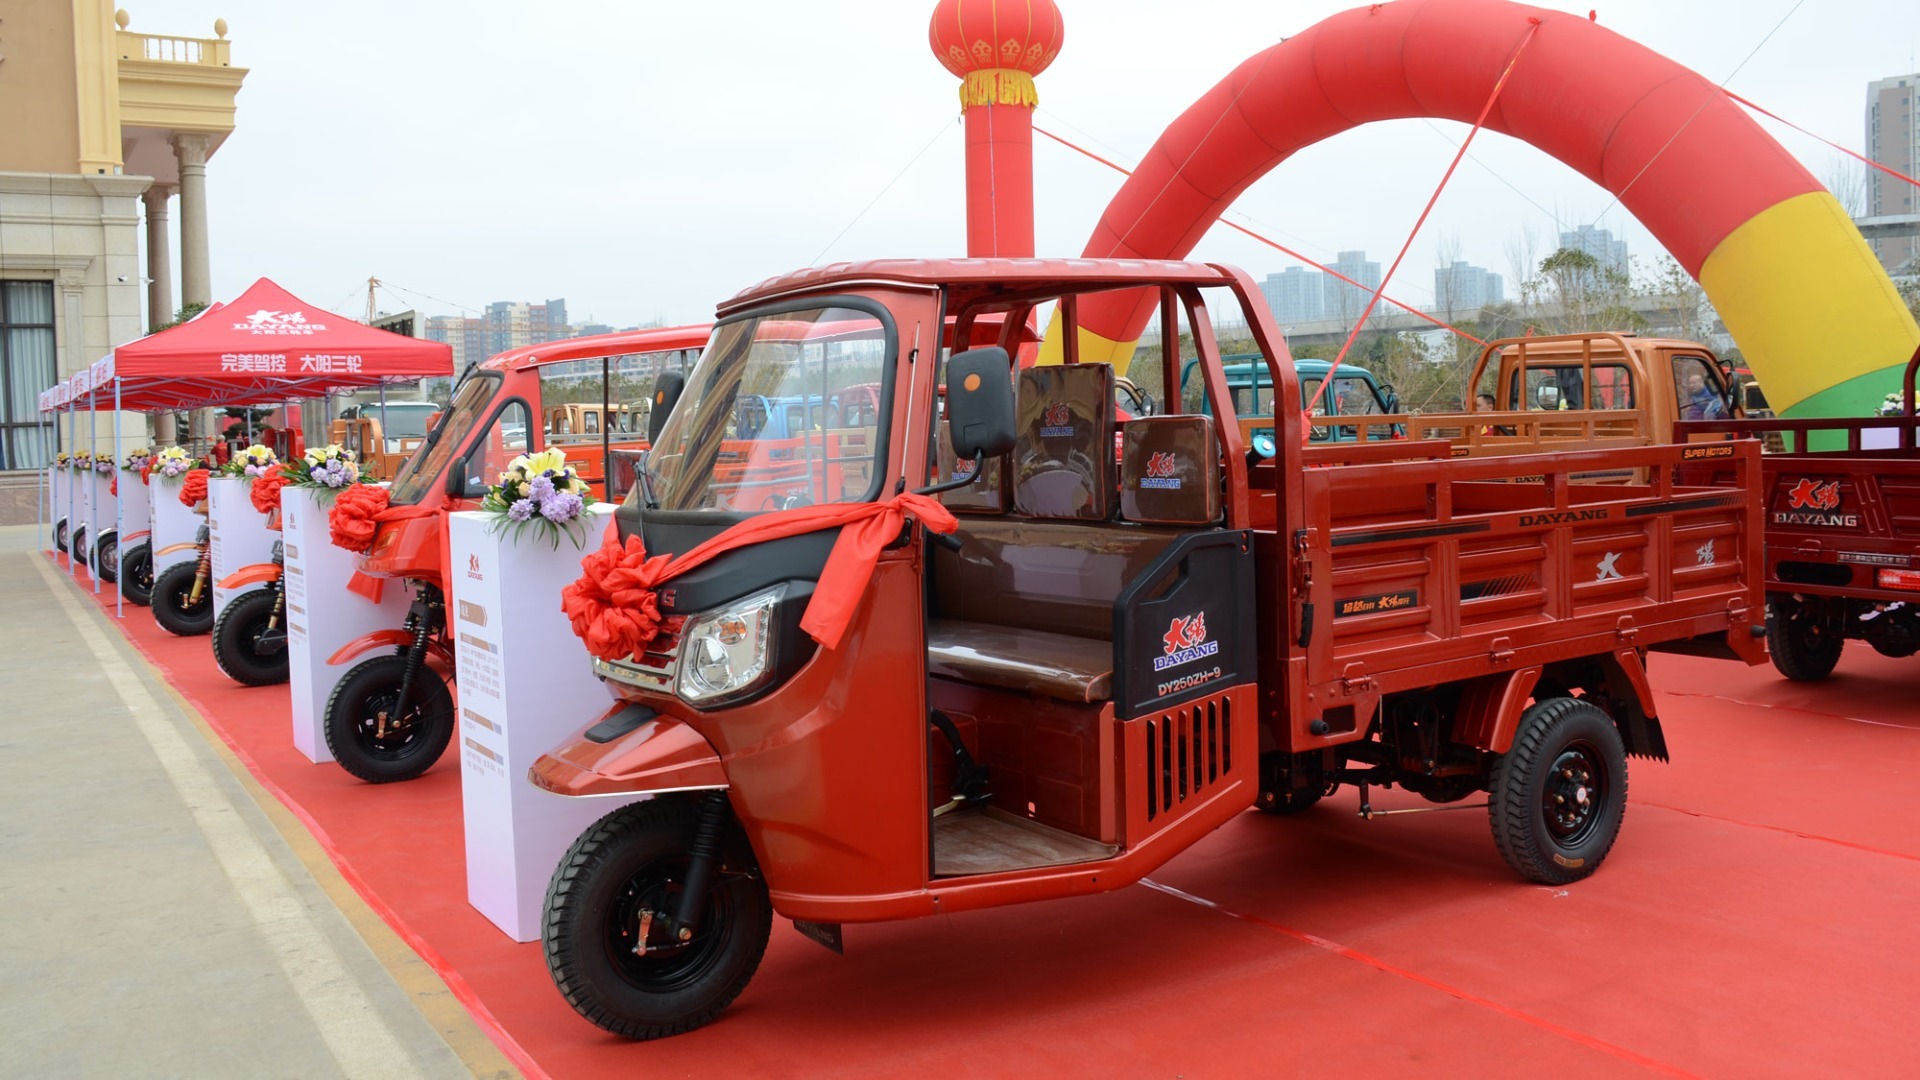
(1807, 302)
(1094, 349)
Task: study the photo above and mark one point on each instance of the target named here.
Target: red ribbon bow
(193, 490)
(266, 490)
(614, 606)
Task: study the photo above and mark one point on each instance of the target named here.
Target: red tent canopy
(263, 348)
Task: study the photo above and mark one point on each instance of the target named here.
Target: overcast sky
(645, 160)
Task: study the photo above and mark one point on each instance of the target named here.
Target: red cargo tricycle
(391, 715)
(848, 702)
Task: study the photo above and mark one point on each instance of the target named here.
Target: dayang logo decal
(279, 324)
(1162, 470)
(1057, 421)
(1807, 495)
(1185, 641)
(1811, 503)
(473, 568)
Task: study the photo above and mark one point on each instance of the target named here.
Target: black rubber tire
(1800, 640)
(352, 718)
(136, 574)
(234, 632)
(78, 542)
(106, 557)
(60, 534)
(1555, 737)
(170, 590)
(635, 852)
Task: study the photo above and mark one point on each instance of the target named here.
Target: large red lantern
(996, 47)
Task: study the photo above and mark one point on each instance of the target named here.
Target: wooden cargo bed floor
(992, 840)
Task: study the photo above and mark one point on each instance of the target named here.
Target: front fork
(700, 868)
(427, 616)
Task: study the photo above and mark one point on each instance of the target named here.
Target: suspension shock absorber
(701, 867)
(425, 624)
(201, 575)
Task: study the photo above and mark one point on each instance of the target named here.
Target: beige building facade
(106, 131)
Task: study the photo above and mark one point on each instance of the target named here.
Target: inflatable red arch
(1816, 317)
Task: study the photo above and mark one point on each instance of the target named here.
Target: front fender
(653, 754)
(389, 639)
(171, 548)
(257, 574)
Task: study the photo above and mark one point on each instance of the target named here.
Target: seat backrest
(1170, 470)
(1056, 576)
(1063, 455)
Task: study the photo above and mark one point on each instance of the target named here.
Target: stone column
(196, 275)
(160, 307)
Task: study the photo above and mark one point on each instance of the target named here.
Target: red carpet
(1757, 918)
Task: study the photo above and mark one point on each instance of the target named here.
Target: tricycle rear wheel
(624, 874)
(1803, 640)
(1560, 793)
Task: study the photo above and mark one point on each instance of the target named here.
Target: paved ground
(155, 919)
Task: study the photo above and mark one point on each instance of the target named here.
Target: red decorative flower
(266, 490)
(613, 607)
(193, 490)
(351, 521)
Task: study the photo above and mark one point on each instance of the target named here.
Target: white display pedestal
(322, 615)
(240, 534)
(506, 605)
(56, 496)
(136, 509)
(172, 523)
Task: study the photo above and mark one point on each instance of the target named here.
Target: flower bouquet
(173, 463)
(103, 464)
(138, 461)
(1893, 405)
(540, 491)
(248, 464)
(63, 460)
(327, 470)
(81, 461)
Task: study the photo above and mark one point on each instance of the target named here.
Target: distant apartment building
(1344, 301)
(1466, 287)
(1611, 254)
(1295, 295)
(1893, 140)
(504, 325)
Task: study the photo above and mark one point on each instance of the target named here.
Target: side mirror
(666, 393)
(980, 402)
(1390, 398)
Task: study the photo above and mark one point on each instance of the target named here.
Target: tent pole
(73, 438)
(119, 514)
(93, 504)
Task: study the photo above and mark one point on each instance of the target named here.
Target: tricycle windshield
(424, 469)
(769, 419)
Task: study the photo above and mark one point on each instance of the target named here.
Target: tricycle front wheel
(374, 739)
(608, 927)
(136, 574)
(174, 606)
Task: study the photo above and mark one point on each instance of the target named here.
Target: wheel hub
(1574, 793)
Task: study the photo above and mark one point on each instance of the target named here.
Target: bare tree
(1523, 260)
(1683, 305)
(1847, 180)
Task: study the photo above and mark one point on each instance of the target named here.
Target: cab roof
(658, 339)
(1011, 275)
